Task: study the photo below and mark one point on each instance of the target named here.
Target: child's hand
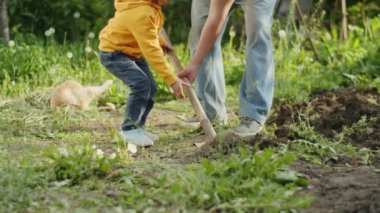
(177, 88)
(167, 48)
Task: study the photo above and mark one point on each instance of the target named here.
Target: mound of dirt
(328, 112)
(342, 189)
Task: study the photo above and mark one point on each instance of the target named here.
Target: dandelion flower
(52, 30)
(91, 35)
(64, 152)
(206, 196)
(328, 36)
(88, 49)
(352, 27)
(308, 59)
(232, 32)
(112, 156)
(69, 55)
(11, 43)
(76, 15)
(99, 153)
(47, 33)
(282, 34)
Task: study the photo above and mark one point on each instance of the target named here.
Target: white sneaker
(136, 137)
(247, 127)
(150, 135)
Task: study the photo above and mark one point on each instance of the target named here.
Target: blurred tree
(4, 28)
(74, 19)
(71, 19)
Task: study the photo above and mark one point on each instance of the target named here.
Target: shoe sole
(248, 134)
(137, 144)
(140, 145)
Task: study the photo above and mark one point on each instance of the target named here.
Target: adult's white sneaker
(247, 127)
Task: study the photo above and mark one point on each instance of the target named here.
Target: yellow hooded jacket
(134, 30)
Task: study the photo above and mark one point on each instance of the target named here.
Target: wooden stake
(314, 48)
(205, 122)
(4, 21)
(344, 31)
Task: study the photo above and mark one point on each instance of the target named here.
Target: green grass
(55, 160)
(63, 160)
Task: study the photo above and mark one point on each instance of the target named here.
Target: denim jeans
(257, 84)
(136, 75)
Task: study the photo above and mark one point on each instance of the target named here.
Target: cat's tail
(95, 91)
(106, 84)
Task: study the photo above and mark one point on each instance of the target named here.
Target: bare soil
(338, 188)
(330, 111)
(342, 189)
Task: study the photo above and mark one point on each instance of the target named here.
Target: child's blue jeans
(136, 75)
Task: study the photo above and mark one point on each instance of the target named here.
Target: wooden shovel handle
(204, 121)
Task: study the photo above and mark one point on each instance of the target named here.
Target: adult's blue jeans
(136, 75)
(257, 84)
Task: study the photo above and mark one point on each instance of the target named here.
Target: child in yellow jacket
(127, 43)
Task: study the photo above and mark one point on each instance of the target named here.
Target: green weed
(241, 183)
(314, 147)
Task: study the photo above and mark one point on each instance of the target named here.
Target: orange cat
(72, 93)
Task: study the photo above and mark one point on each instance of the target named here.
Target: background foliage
(29, 16)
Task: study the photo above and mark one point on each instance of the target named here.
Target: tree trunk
(4, 21)
(344, 21)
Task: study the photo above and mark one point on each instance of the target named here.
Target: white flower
(352, 27)
(206, 196)
(308, 59)
(232, 32)
(52, 30)
(69, 55)
(300, 68)
(93, 146)
(88, 49)
(99, 153)
(91, 35)
(11, 43)
(112, 156)
(64, 152)
(282, 34)
(328, 36)
(49, 32)
(76, 15)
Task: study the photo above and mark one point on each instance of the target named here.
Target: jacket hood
(121, 5)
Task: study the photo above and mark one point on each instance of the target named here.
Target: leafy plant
(243, 182)
(20, 185)
(78, 163)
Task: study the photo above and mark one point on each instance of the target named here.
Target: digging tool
(201, 115)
